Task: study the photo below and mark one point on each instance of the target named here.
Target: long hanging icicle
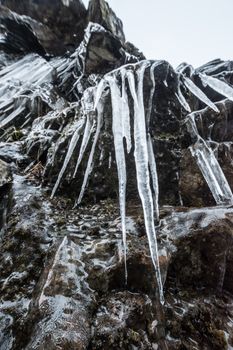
(142, 170)
(120, 129)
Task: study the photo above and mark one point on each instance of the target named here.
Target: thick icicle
(210, 167)
(199, 94)
(73, 143)
(218, 85)
(142, 170)
(118, 128)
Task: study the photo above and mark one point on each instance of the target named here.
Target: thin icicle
(125, 113)
(218, 85)
(100, 111)
(118, 134)
(154, 175)
(199, 94)
(142, 170)
(182, 100)
(72, 145)
(212, 172)
(86, 137)
(99, 92)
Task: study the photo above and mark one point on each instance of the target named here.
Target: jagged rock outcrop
(116, 211)
(66, 19)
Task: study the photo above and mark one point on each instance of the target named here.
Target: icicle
(12, 116)
(142, 170)
(86, 137)
(73, 143)
(152, 91)
(212, 172)
(125, 113)
(100, 111)
(209, 166)
(182, 100)
(99, 92)
(118, 133)
(199, 94)
(218, 85)
(154, 175)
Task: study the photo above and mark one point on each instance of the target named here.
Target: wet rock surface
(63, 119)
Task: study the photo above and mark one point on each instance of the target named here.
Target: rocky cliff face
(116, 198)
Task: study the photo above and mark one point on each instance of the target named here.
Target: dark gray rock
(100, 12)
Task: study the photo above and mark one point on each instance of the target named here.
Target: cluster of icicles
(21, 81)
(132, 75)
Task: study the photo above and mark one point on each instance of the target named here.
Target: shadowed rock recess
(116, 214)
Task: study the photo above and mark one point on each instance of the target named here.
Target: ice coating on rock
(218, 85)
(199, 94)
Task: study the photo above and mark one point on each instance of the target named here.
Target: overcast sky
(195, 31)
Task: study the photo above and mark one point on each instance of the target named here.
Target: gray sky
(195, 31)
